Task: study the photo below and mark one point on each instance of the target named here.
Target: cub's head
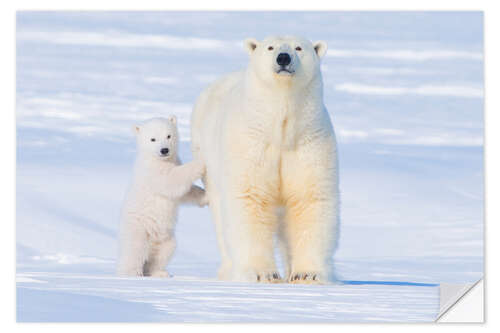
(157, 137)
(285, 59)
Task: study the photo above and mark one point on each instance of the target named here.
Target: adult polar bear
(267, 141)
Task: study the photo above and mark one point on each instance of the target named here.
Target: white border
(492, 121)
(254, 5)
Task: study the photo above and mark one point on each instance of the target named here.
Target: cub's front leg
(180, 179)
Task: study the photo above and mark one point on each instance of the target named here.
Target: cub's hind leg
(134, 248)
(159, 257)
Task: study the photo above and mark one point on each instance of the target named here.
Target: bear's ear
(320, 48)
(251, 44)
(136, 129)
(173, 119)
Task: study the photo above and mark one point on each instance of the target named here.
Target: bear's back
(210, 104)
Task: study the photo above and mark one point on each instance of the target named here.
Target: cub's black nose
(164, 151)
(283, 59)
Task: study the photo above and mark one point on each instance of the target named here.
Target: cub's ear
(136, 129)
(320, 48)
(251, 44)
(173, 119)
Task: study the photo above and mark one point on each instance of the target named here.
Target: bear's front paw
(259, 276)
(269, 277)
(306, 278)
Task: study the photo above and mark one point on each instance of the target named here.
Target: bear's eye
(270, 48)
(298, 48)
(168, 136)
(153, 139)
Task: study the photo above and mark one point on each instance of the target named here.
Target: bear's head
(285, 59)
(157, 138)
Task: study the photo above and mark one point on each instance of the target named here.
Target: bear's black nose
(164, 151)
(283, 59)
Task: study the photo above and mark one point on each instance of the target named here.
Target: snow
(194, 299)
(405, 93)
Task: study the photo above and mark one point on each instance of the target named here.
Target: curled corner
(452, 299)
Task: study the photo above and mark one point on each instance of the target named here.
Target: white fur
(268, 142)
(149, 215)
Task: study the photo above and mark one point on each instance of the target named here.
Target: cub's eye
(169, 136)
(153, 139)
(298, 48)
(270, 48)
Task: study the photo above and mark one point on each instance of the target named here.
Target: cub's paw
(306, 278)
(160, 274)
(198, 168)
(203, 200)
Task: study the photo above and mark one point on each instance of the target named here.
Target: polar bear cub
(149, 213)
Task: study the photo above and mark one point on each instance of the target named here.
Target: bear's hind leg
(224, 272)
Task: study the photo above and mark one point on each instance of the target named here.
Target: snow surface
(405, 93)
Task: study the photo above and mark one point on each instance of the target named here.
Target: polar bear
(149, 213)
(269, 147)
